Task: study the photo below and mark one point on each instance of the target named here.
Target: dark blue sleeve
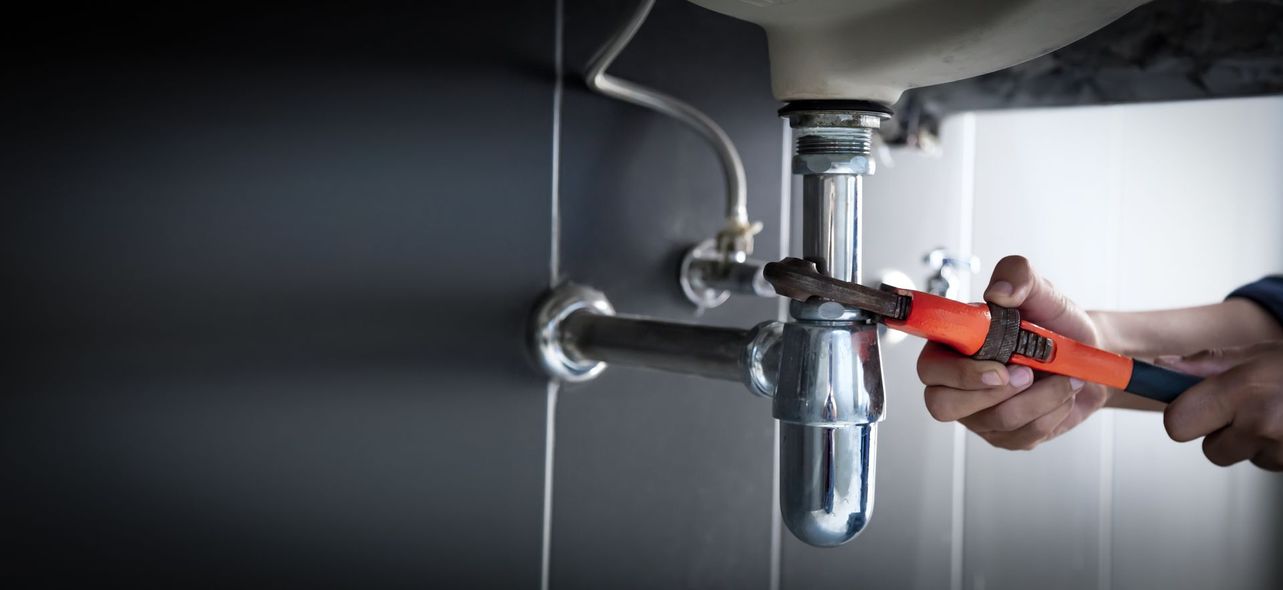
(1267, 293)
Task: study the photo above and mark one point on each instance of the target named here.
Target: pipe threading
(836, 142)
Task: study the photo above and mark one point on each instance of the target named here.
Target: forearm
(1150, 334)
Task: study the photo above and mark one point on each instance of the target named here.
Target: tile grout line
(967, 197)
(1105, 514)
(554, 276)
(554, 255)
(550, 430)
(1104, 565)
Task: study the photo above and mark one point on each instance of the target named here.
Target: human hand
(1010, 406)
(1238, 408)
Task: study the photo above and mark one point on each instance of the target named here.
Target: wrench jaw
(800, 280)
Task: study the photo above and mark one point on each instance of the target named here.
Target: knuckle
(1272, 418)
(937, 367)
(1269, 458)
(936, 406)
(972, 373)
(1214, 453)
(924, 364)
(1006, 420)
(1266, 421)
(1267, 463)
(999, 442)
(1062, 385)
(1219, 460)
(1174, 423)
(1016, 443)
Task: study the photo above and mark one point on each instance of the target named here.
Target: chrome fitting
(861, 164)
(830, 375)
(574, 333)
(545, 331)
(762, 358)
(708, 276)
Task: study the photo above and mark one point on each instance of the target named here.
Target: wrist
(1107, 336)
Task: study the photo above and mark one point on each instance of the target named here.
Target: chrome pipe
(575, 333)
(832, 474)
(744, 278)
(831, 223)
(829, 395)
(716, 353)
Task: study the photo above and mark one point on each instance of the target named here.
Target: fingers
(1228, 446)
(1012, 280)
(1240, 412)
(1015, 283)
(1270, 458)
(1028, 436)
(1232, 444)
(940, 365)
(1210, 362)
(1045, 397)
(1204, 408)
(947, 404)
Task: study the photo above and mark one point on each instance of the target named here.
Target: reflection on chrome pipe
(826, 481)
(830, 372)
(831, 222)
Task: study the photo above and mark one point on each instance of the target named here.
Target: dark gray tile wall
(266, 271)
(662, 481)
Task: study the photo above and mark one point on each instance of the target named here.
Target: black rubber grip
(1157, 383)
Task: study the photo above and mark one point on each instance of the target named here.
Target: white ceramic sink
(876, 49)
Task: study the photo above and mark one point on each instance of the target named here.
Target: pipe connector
(832, 140)
(830, 375)
(574, 333)
(708, 277)
(546, 334)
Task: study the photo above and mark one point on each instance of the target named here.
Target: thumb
(1015, 283)
(1208, 362)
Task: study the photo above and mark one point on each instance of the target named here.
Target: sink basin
(876, 49)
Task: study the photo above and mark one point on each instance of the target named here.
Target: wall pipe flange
(545, 331)
(691, 277)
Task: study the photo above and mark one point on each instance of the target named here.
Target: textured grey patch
(1164, 50)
